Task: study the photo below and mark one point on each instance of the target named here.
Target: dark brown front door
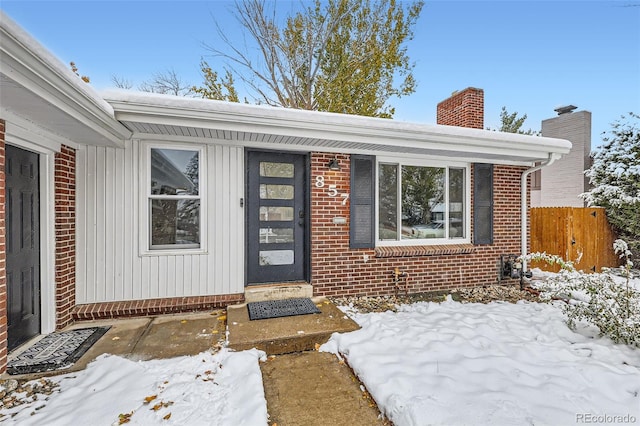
(276, 217)
(23, 245)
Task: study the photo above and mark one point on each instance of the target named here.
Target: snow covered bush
(615, 176)
(551, 259)
(603, 300)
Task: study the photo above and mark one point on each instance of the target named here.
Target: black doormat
(281, 308)
(56, 351)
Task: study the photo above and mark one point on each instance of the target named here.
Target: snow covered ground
(205, 389)
(427, 364)
(495, 364)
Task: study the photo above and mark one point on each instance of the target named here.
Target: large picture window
(418, 204)
(174, 198)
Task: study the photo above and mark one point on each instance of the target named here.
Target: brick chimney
(463, 109)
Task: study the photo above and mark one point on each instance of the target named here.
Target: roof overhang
(157, 116)
(38, 88)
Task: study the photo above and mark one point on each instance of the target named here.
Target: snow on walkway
(205, 389)
(495, 364)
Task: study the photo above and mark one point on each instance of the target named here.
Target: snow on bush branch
(615, 177)
(622, 250)
(598, 299)
(551, 259)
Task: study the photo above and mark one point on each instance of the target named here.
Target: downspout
(523, 205)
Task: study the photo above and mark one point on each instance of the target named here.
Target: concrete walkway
(305, 387)
(145, 338)
(302, 386)
(314, 388)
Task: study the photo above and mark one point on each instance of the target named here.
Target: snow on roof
(136, 106)
(11, 29)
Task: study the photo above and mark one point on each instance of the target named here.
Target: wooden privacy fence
(573, 233)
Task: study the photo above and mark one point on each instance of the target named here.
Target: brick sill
(435, 250)
(147, 307)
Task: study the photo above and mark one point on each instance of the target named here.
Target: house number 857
(332, 190)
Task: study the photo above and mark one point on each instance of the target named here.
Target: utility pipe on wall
(523, 205)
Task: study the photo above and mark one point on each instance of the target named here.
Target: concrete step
(278, 336)
(277, 291)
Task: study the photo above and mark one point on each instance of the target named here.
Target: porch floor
(284, 335)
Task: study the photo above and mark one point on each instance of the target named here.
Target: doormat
(56, 351)
(281, 308)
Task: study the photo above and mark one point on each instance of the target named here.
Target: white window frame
(404, 161)
(146, 196)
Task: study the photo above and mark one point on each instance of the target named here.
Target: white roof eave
(31, 66)
(180, 111)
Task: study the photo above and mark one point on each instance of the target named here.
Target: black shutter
(482, 203)
(362, 220)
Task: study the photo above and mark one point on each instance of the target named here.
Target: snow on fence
(580, 234)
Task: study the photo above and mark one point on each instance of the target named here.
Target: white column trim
(47, 245)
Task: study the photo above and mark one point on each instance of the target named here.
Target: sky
(528, 56)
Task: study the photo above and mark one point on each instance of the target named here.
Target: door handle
(301, 217)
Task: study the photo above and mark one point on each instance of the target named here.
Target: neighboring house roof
(38, 88)
(166, 174)
(41, 91)
(264, 126)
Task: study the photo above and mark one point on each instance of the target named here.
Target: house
(561, 184)
(124, 203)
(581, 234)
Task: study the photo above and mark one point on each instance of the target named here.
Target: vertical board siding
(81, 226)
(99, 224)
(119, 219)
(110, 264)
(110, 223)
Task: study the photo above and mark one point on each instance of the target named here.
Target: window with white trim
(422, 204)
(174, 198)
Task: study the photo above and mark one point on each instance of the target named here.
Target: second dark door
(23, 245)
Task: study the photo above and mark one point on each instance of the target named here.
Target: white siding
(110, 266)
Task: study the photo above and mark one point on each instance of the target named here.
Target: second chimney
(463, 109)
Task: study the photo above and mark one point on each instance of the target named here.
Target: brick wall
(171, 305)
(331, 259)
(338, 270)
(65, 229)
(464, 108)
(3, 258)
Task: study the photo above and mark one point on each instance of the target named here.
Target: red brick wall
(338, 270)
(131, 308)
(330, 253)
(464, 109)
(3, 258)
(65, 226)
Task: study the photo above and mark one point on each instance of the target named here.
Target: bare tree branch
(121, 82)
(167, 82)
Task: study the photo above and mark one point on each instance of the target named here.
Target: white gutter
(523, 204)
